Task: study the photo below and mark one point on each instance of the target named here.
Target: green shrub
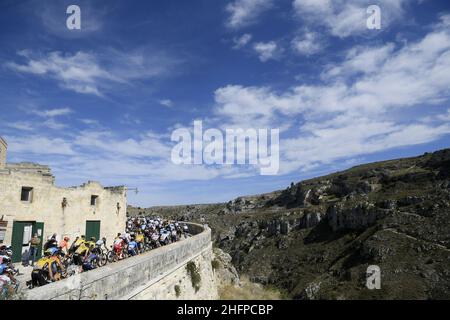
(193, 271)
(177, 290)
(215, 264)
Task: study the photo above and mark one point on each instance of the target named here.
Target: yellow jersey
(82, 249)
(140, 238)
(42, 263)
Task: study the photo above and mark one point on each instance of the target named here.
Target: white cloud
(252, 106)
(110, 158)
(267, 50)
(361, 60)
(246, 12)
(307, 44)
(51, 113)
(344, 18)
(166, 102)
(445, 116)
(79, 72)
(89, 73)
(359, 108)
(48, 119)
(52, 16)
(53, 124)
(90, 122)
(358, 137)
(148, 144)
(242, 41)
(39, 145)
(20, 125)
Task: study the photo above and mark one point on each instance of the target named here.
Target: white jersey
(4, 280)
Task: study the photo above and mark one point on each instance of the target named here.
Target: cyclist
(91, 243)
(78, 241)
(98, 245)
(89, 262)
(132, 247)
(55, 264)
(64, 246)
(140, 239)
(51, 242)
(8, 284)
(119, 244)
(81, 253)
(42, 273)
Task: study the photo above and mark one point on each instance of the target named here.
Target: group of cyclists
(61, 260)
(8, 282)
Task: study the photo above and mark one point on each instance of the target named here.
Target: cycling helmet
(53, 251)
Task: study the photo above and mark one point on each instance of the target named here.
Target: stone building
(30, 202)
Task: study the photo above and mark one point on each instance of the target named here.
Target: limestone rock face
(224, 269)
(311, 219)
(359, 216)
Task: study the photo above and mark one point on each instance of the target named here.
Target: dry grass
(248, 291)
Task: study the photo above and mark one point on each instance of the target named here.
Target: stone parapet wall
(152, 275)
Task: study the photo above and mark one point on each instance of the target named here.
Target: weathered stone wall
(152, 275)
(46, 205)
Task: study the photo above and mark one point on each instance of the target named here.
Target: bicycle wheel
(111, 256)
(102, 260)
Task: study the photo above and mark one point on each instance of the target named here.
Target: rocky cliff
(315, 239)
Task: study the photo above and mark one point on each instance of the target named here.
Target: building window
(94, 200)
(26, 194)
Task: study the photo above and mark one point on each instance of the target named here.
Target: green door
(21, 235)
(16, 241)
(38, 228)
(92, 229)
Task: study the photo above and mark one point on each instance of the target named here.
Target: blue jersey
(132, 244)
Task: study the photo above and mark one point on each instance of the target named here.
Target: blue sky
(101, 103)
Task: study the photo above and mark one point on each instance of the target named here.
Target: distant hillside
(315, 239)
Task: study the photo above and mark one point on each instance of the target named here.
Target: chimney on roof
(3, 151)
